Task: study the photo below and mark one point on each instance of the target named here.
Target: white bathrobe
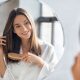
(29, 71)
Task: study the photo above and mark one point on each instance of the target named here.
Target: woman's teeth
(25, 33)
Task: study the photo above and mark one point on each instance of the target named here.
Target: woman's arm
(5, 72)
(50, 58)
(2, 65)
(32, 58)
(2, 62)
(46, 61)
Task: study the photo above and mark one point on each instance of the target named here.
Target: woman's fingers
(2, 44)
(27, 58)
(2, 37)
(2, 40)
(24, 57)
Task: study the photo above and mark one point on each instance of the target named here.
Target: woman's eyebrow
(26, 21)
(16, 24)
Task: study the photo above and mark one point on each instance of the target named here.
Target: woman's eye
(26, 23)
(17, 26)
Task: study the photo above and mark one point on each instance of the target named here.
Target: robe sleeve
(50, 59)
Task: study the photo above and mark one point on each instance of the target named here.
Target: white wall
(4, 12)
(32, 7)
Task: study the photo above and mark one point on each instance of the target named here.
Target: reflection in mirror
(51, 29)
(29, 61)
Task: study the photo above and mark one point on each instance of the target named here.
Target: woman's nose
(24, 28)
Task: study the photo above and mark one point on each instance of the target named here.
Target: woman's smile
(22, 27)
(25, 33)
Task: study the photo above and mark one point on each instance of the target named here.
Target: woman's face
(22, 27)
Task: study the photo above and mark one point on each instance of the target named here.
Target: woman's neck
(25, 46)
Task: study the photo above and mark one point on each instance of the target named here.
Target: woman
(26, 57)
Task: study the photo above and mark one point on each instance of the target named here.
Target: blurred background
(58, 22)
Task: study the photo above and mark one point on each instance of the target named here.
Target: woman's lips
(25, 33)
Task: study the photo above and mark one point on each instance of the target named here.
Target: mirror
(50, 29)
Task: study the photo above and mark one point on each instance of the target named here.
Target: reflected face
(22, 27)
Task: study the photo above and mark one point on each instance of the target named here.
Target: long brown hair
(13, 42)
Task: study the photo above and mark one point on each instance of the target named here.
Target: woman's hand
(27, 57)
(32, 58)
(76, 68)
(2, 41)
